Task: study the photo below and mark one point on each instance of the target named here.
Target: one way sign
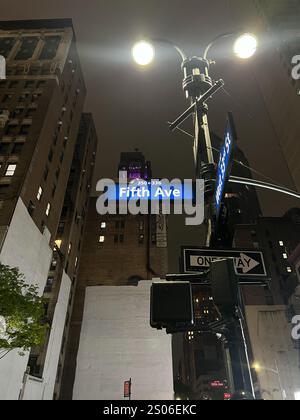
(248, 264)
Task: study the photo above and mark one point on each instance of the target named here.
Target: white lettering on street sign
(243, 262)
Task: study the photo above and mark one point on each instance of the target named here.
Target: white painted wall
(117, 343)
(33, 261)
(43, 390)
(274, 349)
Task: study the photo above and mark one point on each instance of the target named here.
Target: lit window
(281, 243)
(102, 239)
(39, 194)
(289, 269)
(103, 225)
(10, 171)
(285, 256)
(48, 209)
(70, 248)
(76, 262)
(58, 243)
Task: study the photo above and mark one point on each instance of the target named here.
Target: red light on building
(217, 384)
(227, 396)
(127, 389)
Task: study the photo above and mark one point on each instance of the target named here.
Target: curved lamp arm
(166, 41)
(212, 43)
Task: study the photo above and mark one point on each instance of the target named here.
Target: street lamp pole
(199, 88)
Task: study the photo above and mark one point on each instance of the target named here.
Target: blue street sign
(224, 166)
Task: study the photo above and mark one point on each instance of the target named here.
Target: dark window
(11, 129)
(23, 97)
(55, 138)
(27, 48)
(29, 84)
(34, 368)
(61, 228)
(31, 208)
(123, 224)
(6, 45)
(17, 149)
(121, 238)
(53, 190)
(64, 211)
(49, 284)
(50, 48)
(3, 188)
(46, 173)
(50, 156)
(41, 84)
(116, 238)
(7, 98)
(30, 112)
(24, 130)
(58, 373)
(57, 173)
(117, 225)
(13, 84)
(17, 112)
(61, 158)
(35, 96)
(4, 148)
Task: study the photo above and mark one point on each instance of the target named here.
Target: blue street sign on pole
(224, 166)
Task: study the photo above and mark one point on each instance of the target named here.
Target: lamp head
(143, 53)
(245, 46)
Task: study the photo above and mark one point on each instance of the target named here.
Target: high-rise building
(47, 361)
(42, 101)
(117, 250)
(269, 308)
(277, 237)
(277, 23)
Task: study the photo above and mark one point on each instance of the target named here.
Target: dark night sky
(131, 106)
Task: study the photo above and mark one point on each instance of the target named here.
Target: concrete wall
(43, 389)
(117, 343)
(33, 261)
(274, 351)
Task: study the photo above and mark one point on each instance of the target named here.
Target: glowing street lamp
(143, 53)
(245, 46)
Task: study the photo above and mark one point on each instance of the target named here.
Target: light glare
(143, 53)
(245, 46)
(297, 395)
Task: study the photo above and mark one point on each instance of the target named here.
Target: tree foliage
(21, 311)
